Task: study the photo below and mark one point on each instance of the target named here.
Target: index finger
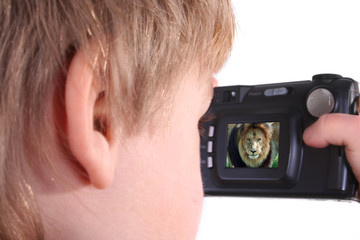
(337, 129)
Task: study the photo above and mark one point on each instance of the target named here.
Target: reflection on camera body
(254, 144)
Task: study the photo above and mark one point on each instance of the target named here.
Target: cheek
(182, 180)
(184, 185)
(167, 187)
(186, 165)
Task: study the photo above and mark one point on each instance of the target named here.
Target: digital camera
(254, 146)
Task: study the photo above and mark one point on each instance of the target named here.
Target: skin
(144, 187)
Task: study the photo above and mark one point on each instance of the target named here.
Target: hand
(337, 129)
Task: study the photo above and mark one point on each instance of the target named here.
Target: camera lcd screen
(253, 145)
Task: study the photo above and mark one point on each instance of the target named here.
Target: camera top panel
(325, 93)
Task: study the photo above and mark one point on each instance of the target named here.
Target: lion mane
(254, 145)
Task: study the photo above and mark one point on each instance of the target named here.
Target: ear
(90, 147)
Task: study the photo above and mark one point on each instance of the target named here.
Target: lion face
(254, 144)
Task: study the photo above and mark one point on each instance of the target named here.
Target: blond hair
(142, 46)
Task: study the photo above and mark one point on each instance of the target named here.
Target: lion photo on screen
(254, 145)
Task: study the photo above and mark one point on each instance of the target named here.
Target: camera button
(210, 147)
(325, 78)
(276, 91)
(269, 92)
(211, 131)
(210, 163)
(280, 91)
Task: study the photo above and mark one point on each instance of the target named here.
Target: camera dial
(320, 101)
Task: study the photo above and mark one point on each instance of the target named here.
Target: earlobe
(89, 146)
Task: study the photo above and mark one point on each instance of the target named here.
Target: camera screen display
(253, 145)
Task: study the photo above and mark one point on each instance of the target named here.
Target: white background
(282, 41)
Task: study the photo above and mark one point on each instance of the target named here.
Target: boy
(100, 103)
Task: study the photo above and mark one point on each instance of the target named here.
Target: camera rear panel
(254, 144)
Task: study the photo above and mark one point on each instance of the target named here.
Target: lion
(254, 144)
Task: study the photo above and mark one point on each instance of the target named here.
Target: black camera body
(254, 144)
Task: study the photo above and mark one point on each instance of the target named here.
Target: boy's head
(104, 94)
